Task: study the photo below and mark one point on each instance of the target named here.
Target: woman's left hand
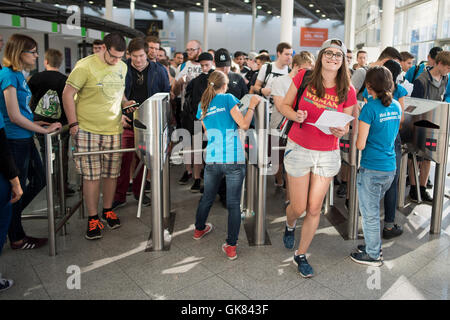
(339, 131)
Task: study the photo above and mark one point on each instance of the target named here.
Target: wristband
(73, 124)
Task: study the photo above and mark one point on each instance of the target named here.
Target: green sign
(16, 21)
(83, 32)
(54, 27)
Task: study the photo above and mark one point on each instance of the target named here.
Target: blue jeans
(372, 185)
(390, 198)
(5, 209)
(29, 163)
(234, 175)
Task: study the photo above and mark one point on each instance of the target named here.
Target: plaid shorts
(92, 167)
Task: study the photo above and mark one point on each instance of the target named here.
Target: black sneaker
(395, 231)
(117, 204)
(364, 258)
(425, 195)
(196, 186)
(146, 201)
(185, 178)
(361, 248)
(413, 193)
(429, 184)
(5, 284)
(306, 271)
(342, 190)
(148, 186)
(94, 230)
(111, 219)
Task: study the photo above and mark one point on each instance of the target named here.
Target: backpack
(416, 71)
(49, 105)
(286, 125)
(269, 71)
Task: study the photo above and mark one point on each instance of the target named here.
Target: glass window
(446, 23)
(422, 22)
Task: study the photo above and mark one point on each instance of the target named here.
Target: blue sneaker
(364, 258)
(306, 271)
(361, 248)
(289, 238)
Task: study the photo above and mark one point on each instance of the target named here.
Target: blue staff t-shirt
(400, 92)
(224, 145)
(8, 77)
(379, 153)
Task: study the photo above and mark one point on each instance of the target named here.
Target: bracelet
(73, 124)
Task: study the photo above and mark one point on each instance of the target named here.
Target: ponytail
(386, 98)
(379, 79)
(216, 80)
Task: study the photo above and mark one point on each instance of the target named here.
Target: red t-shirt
(309, 136)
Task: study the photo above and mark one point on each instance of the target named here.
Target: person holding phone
(312, 158)
(21, 54)
(144, 78)
(221, 117)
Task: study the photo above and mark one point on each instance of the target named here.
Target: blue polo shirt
(379, 153)
(224, 145)
(8, 77)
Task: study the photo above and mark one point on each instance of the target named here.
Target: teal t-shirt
(224, 145)
(379, 153)
(400, 92)
(8, 77)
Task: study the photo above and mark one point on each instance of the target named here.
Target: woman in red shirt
(312, 157)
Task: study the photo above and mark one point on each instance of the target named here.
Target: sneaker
(230, 251)
(364, 258)
(306, 271)
(196, 186)
(362, 249)
(146, 201)
(29, 243)
(5, 284)
(148, 186)
(117, 204)
(94, 229)
(425, 195)
(111, 219)
(342, 190)
(289, 238)
(278, 185)
(429, 184)
(395, 231)
(185, 178)
(198, 234)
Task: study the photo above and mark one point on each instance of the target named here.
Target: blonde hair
(216, 81)
(302, 58)
(16, 45)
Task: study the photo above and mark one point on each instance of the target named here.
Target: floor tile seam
(231, 285)
(317, 283)
(42, 283)
(193, 284)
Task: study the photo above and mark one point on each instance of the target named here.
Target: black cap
(222, 58)
(205, 56)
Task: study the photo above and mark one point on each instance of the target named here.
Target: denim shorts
(299, 161)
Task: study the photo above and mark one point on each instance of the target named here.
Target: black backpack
(269, 71)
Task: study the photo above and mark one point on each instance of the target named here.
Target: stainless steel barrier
(65, 212)
(425, 133)
(151, 133)
(347, 224)
(253, 202)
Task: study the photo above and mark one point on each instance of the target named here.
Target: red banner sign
(313, 37)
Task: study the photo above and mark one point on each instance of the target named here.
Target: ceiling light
(172, 10)
(278, 17)
(155, 5)
(258, 7)
(269, 12)
(323, 16)
(311, 5)
(198, 3)
(317, 11)
(246, 1)
(213, 9)
(91, 2)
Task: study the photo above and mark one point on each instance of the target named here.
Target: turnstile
(253, 201)
(347, 223)
(424, 133)
(151, 134)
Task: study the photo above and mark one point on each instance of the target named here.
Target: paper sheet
(331, 119)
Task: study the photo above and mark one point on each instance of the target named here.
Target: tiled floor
(417, 264)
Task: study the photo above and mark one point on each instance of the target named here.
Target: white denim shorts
(299, 161)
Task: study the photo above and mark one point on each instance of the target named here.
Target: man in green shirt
(94, 117)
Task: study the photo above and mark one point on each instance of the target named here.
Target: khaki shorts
(92, 167)
(299, 161)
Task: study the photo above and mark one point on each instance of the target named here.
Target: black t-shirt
(236, 86)
(139, 90)
(196, 87)
(40, 83)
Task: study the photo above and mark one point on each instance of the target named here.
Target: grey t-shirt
(280, 87)
(358, 78)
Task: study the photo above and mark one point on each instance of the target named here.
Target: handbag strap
(303, 85)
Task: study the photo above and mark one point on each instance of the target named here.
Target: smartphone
(134, 105)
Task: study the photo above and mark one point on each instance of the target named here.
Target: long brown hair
(342, 78)
(379, 79)
(16, 45)
(216, 80)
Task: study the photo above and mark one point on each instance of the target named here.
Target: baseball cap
(328, 44)
(222, 58)
(205, 56)
(252, 55)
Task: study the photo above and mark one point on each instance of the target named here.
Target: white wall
(233, 33)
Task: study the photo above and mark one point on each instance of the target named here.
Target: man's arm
(69, 107)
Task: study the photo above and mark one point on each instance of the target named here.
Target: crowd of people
(97, 100)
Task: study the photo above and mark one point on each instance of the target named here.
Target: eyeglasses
(114, 57)
(330, 55)
(32, 52)
(190, 50)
